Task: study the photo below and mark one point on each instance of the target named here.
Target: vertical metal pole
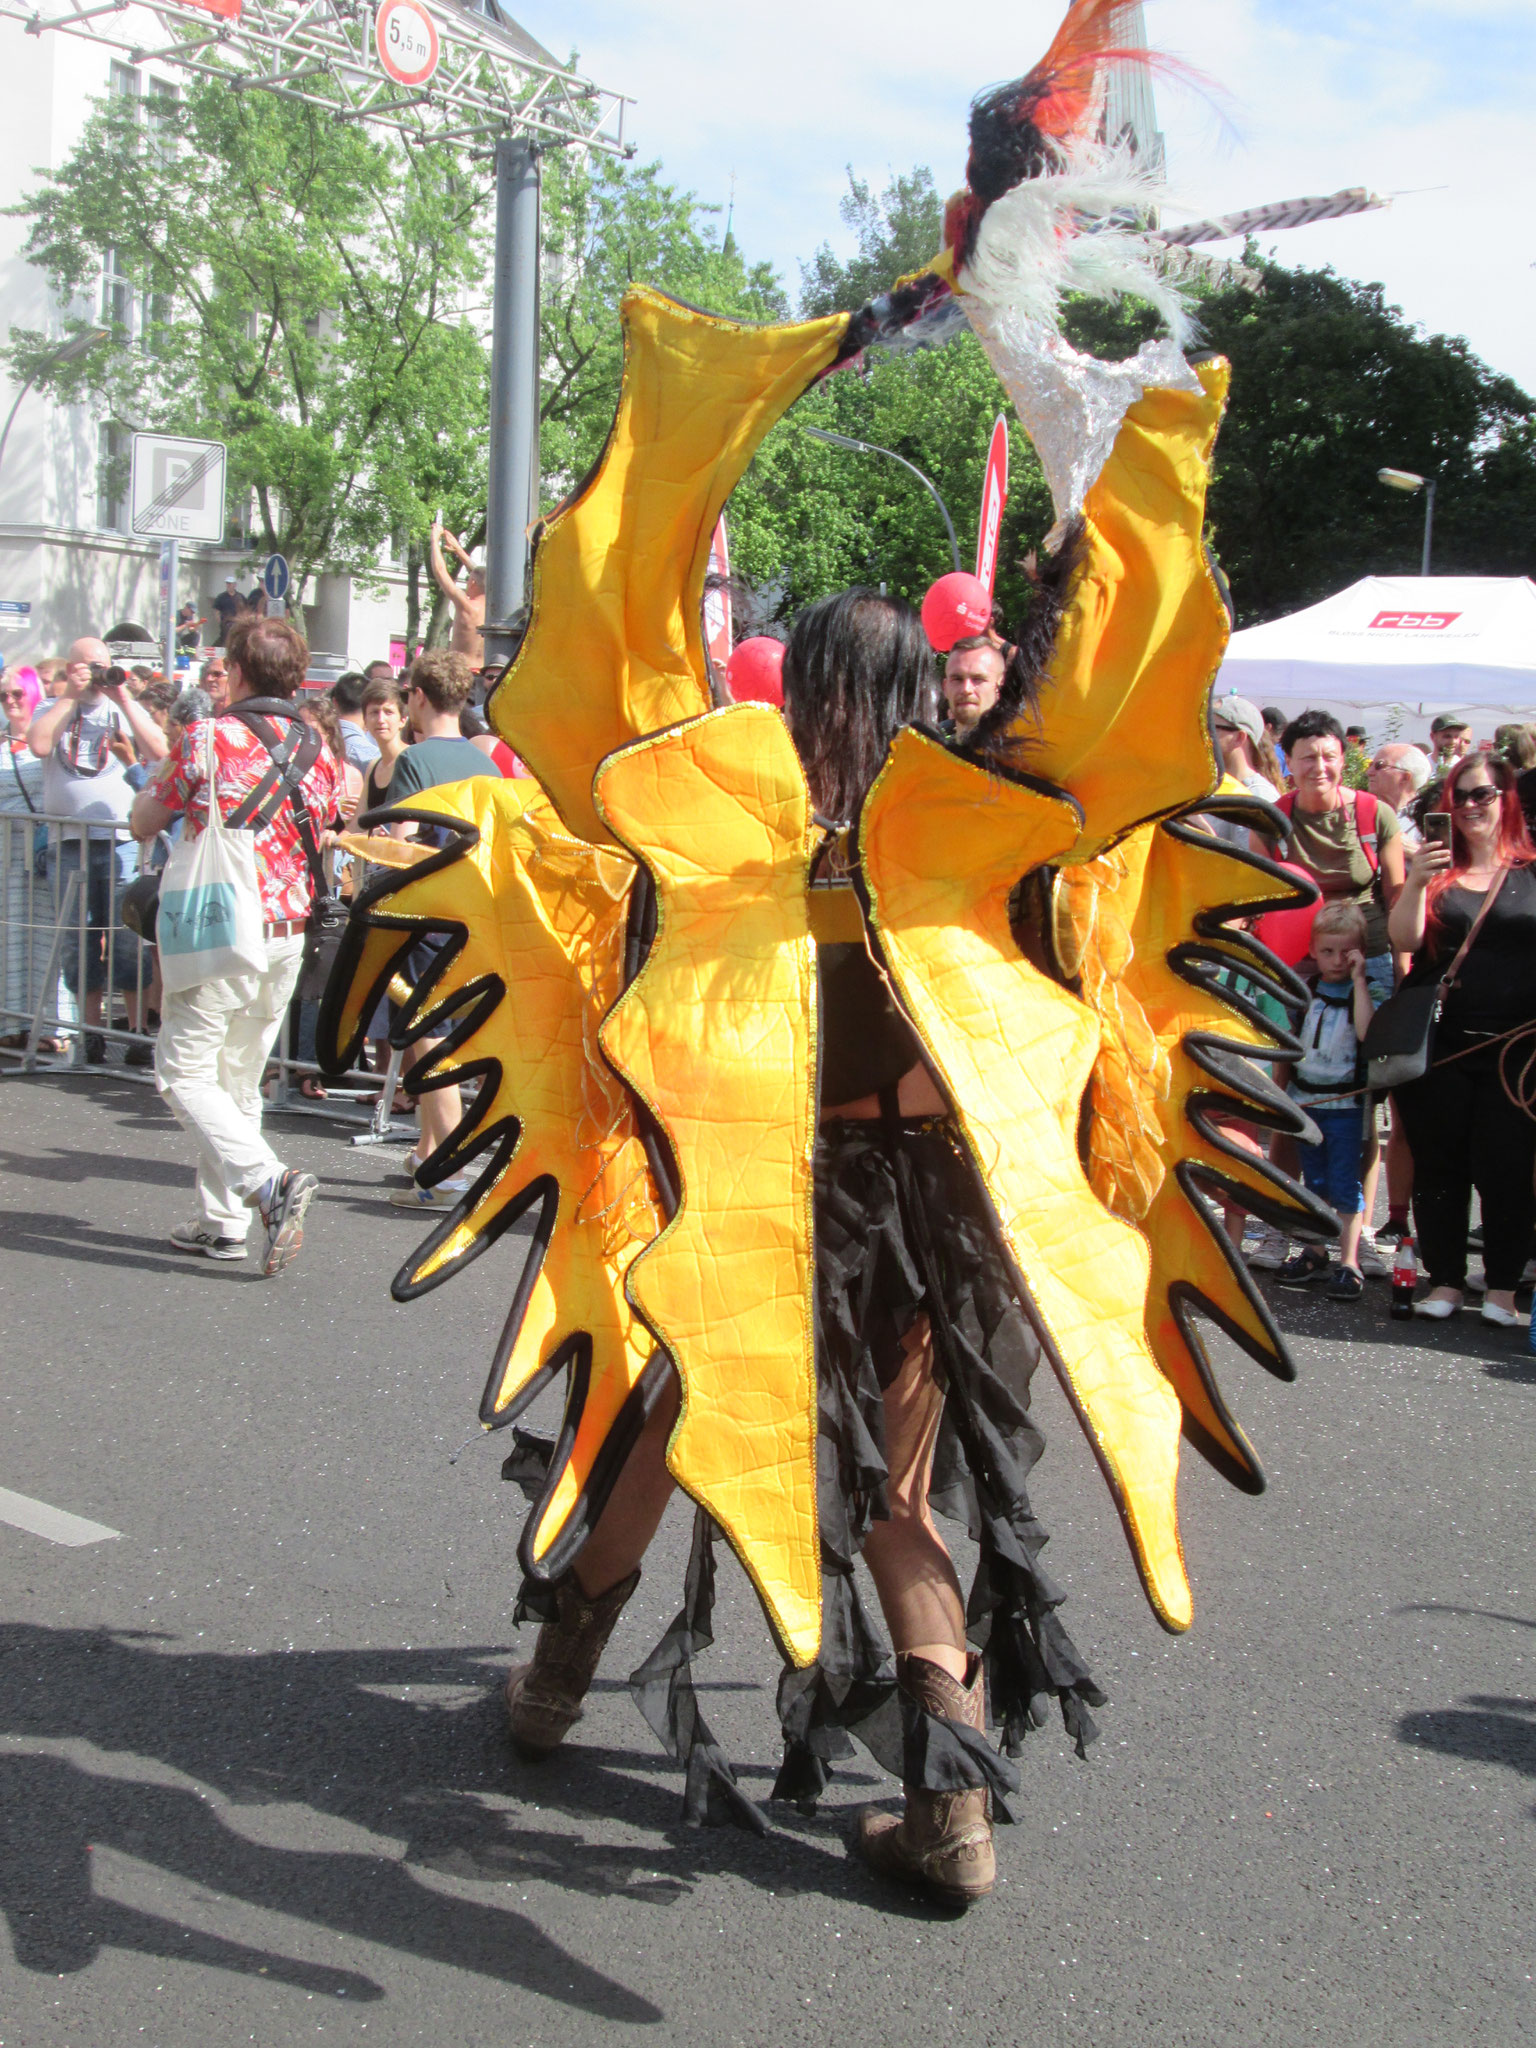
(514, 451)
(172, 578)
(1429, 525)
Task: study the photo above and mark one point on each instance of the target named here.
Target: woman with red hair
(1463, 1129)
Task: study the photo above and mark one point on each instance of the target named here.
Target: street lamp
(67, 352)
(869, 448)
(1408, 480)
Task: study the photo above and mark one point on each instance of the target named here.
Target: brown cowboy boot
(944, 1839)
(544, 1696)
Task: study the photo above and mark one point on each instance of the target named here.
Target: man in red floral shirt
(215, 1037)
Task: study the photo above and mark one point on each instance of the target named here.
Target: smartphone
(1437, 828)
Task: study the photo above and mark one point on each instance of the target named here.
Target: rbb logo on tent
(1418, 622)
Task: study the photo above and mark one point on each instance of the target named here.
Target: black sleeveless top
(866, 1042)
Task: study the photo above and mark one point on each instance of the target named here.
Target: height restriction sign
(405, 36)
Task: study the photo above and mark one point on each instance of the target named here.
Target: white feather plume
(1070, 230)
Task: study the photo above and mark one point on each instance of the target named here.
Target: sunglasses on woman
(1483, 793)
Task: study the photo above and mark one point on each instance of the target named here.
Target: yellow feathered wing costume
(629, 960)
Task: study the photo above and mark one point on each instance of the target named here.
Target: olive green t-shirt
(1328, 845)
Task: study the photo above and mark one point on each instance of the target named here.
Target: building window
(117, 294)
(160, 120)
(114, 463)
(123, 82)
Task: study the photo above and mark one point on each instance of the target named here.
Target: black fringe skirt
(902, 1229)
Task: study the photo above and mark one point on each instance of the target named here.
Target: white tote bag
(210, 925)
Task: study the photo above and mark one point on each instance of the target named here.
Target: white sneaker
(1270, 1253)
(199, 1239)
(444, 1196)
(1373, 1262)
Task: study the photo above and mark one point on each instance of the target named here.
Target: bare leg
(439, 1109)
(1370, 1167)
(1349, 1239)
(635, 1507)
(919, 1592)
(1399, 1168)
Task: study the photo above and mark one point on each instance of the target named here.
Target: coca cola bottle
(1405, 1275)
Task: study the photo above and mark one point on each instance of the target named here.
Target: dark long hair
(858, 668)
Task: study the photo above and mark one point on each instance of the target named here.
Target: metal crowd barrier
(63, 944)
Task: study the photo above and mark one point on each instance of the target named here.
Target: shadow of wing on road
(1485, 1729)
(409, 1745)
(295, 1727)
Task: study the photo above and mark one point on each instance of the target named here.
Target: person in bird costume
(829, 1075)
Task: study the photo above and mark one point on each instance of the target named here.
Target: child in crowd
(1324, 1081)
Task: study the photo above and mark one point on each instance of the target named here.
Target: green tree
(289, 285)
(898, 232)
(606, 226)
(1330, 384)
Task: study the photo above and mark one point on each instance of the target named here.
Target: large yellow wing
(511, 942)
(1112, 1250)
(532, 900)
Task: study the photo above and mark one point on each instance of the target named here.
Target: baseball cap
(1239, 714)
(1448, 721)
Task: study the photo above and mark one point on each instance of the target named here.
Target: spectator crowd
(1423, 860)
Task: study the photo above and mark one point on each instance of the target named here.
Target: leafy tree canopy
(1329, 385)
(315, 297)
(290, 285)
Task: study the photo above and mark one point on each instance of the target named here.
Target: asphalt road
(252, 1780)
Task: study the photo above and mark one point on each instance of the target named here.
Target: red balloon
(957, 606)
(1288, 932)
(755, 671)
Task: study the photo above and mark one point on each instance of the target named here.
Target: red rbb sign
(405, 37)
(1417, 622)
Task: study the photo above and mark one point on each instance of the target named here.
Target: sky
(1312, 96)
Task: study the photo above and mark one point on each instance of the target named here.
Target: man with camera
(273, 777)
(87, 739)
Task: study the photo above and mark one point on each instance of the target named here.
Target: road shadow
(407, 1744)
(1484, 1729)
(74, 1168)
(54, 1236)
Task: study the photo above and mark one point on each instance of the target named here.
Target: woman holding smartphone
(1463, 1130)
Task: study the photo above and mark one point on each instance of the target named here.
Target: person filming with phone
(87, 739)
(1472, 878)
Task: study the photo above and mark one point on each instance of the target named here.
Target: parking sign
(178, 488)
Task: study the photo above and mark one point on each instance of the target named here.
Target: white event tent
(1391, 652)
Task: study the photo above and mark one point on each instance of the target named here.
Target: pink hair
(31, 687)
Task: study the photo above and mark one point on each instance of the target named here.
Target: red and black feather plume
(1017, 129)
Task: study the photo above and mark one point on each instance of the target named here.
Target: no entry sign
(405, 36)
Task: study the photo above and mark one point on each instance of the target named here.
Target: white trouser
(209, 1059)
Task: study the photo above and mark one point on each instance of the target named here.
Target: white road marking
(38, 1519)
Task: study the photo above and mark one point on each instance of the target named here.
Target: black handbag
(139, 906)
(1400, 1044)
